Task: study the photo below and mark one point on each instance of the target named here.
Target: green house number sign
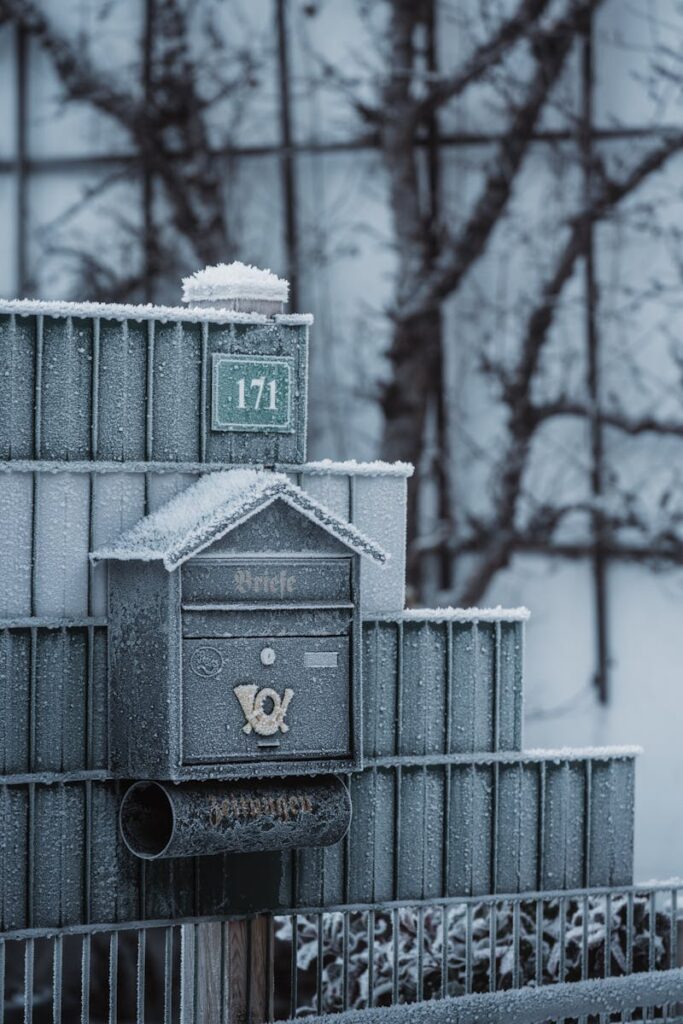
(252, 393)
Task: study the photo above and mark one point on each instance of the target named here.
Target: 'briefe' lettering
(278, 584)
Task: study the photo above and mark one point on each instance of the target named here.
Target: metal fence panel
(509, 824)
(437, 686)
(137, 388)
(492, 823)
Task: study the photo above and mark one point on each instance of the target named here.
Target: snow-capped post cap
(237, 286)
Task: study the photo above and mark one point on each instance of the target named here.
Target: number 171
(259, 384)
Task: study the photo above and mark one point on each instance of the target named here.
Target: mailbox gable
(235, 634)
(279, 527)
(215, 506)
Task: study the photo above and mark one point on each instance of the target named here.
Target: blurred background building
(482, 203)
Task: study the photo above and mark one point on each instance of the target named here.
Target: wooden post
(227, 972)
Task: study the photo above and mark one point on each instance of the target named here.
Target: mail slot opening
(147, 819)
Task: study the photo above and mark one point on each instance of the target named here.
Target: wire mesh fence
(358, 957)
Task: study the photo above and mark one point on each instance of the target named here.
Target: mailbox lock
(267, 656)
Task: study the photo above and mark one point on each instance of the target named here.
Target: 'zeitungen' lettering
(243, 808)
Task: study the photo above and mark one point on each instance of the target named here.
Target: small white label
(320, 659)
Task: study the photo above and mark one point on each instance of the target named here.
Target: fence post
(227, 972)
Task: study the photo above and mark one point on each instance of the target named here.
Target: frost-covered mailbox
(234, 636)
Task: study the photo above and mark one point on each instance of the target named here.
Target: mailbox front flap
(261, 698)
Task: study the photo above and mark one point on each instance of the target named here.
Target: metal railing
(388, 954)
(360, 957)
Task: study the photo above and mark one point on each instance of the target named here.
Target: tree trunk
(414, 356)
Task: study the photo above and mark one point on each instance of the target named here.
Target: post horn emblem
(252, 701)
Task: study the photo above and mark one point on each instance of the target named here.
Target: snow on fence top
(582, 753)
(554, 756)
(214, 506)
(147, 311)
(234, 281)
(497, 614)
(326, 467)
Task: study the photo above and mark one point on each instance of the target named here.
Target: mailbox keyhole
(267, 656)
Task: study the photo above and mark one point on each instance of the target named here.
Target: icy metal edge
(529, 1005)
(148, 311)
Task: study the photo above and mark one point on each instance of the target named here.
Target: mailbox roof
(217, 504)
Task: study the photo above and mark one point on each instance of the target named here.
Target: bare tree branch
(423, 280)
(79, 78)
(459, 253)
(631, 425)
(609, 193)
(171, 122)
(484, 58)
(524, 420)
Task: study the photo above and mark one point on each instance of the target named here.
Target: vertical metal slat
(497, 687)
(29, 955)
(149, 418)
(588, 827)
(140, 977)
(468, 950)
(371, 957)
(493, 927)
(113, 977)
(95, 387)
(203, 397)
(319, 966)
(38, 390)
(541, 827)
(168, 974)
(294, 967)
(539, 941)
(585, 909)
(515, 943)
(562, 928)
(673, 925)
(396, 949)
(345, 962)
(31, 845)
(224, 975)
(420, 952)
(608, 935)
(85, 979)
(57, 976)
(2, 982)
(444, 950)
